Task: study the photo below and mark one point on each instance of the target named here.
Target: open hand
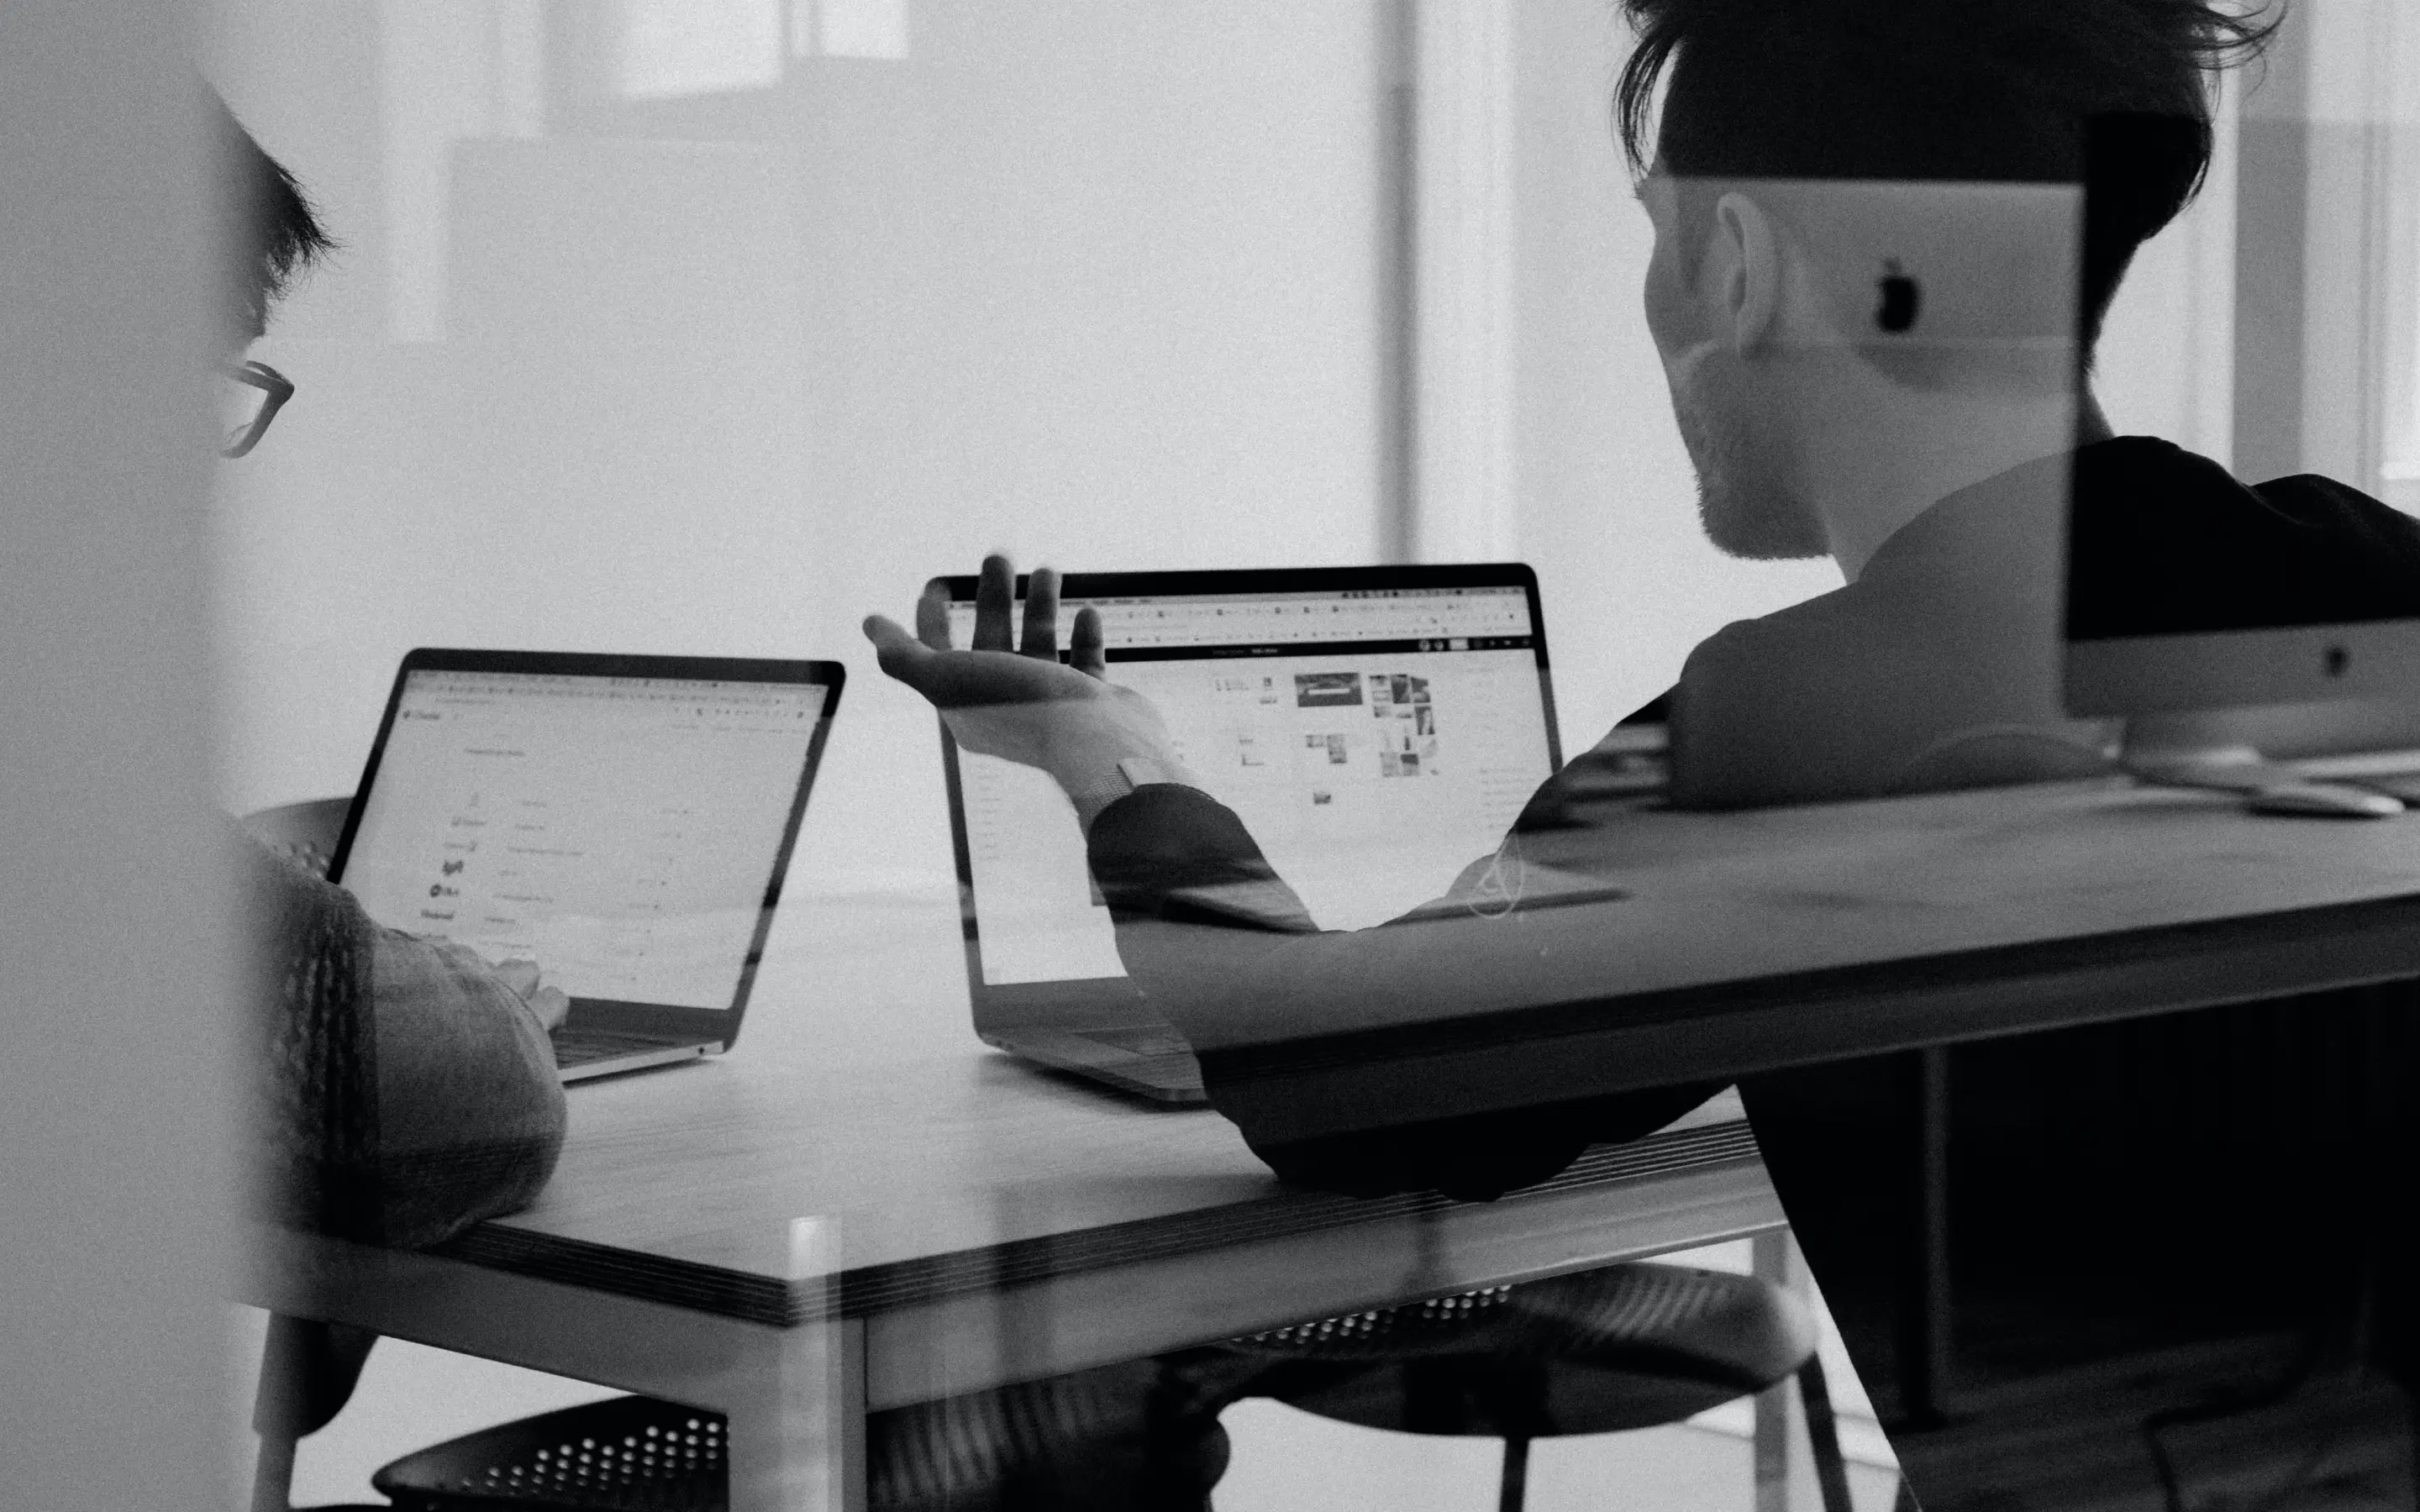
(1016, 700)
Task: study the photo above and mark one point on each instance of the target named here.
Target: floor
(2338, 1440)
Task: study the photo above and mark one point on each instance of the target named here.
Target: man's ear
(1745, 266)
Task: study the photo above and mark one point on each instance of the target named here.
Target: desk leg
(1924, 1269)
(798, 1437)
(1771, 1261)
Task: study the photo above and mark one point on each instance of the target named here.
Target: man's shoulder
(1833, 622)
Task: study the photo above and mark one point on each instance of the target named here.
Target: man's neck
(1871, 480)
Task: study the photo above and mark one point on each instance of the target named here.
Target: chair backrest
(632, 1454)
(305, 832)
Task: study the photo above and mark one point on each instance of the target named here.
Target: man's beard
(1742, 510)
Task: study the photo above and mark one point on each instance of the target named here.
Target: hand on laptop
(551, 1004)
(1020, 702)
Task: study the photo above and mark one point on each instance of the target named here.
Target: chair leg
(272, 1474)
(1515, 1487)
(307, 1374)
(1823, 1437)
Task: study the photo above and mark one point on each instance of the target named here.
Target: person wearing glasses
(400, 1088)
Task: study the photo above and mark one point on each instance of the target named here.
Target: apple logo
(1902, 299)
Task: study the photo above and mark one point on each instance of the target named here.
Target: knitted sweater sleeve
(399, 1093)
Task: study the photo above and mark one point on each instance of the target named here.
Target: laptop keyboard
(577, 1047)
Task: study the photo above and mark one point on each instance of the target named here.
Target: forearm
(1222, 946)
(471, 1112)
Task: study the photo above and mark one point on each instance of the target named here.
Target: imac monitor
(2235, 626)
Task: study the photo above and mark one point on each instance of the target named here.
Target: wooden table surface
(1757, 941)
(858, 1098)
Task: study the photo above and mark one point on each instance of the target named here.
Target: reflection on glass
(850, 28)
(666, 49)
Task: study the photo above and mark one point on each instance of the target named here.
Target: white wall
(114, 912)
(721, 374)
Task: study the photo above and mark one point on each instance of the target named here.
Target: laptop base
(1168, 1078)
(644, 1058)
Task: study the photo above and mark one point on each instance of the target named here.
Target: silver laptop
(623, 821)
(1377, 727)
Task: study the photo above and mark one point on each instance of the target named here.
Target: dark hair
(1943, 89)
(272, 230)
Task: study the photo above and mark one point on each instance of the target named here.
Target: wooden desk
(861, 1207)
(1759, 940)
(967, 1221)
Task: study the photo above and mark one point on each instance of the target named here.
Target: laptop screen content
(623, 832)
(1375, 741)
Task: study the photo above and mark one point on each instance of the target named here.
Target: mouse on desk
(2321, 799)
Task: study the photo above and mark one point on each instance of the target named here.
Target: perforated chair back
(305, 833)
(1094, 1438)
(632, 1454)
(1599, 1352)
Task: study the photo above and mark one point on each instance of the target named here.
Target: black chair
(1601, 1352)
(1094, 1438)
(306, 832)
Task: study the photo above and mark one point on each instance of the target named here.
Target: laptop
(1377, 727)
(623, 821)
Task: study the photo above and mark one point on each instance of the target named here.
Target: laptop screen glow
(620, 831)
(1375, 741)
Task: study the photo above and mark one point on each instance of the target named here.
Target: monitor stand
(2197, 750)
(2209, 750)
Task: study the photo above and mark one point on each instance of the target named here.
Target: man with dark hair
(1941, 495)
(400, 1090)
(2002, 92)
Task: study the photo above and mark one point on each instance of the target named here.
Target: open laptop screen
(1376, 731)
(625, 832)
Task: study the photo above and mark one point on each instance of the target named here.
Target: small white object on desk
(2322, 799)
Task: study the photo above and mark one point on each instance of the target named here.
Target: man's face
(1745, 500)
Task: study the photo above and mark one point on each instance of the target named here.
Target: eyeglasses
(249, 397)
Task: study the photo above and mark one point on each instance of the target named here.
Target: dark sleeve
(1203, 919)
(399, 1091)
